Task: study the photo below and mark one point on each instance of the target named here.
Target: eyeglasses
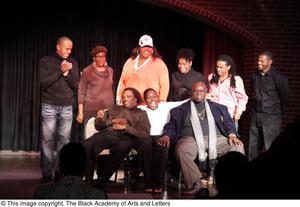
(100, 56)
(199, 91)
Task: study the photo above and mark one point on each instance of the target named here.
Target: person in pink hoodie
(227, 88)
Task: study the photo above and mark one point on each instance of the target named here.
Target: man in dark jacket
(59, 81)
(200, 128)
(270, 99)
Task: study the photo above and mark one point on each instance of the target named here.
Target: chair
(89, 131)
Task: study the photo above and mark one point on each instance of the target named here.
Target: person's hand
(119, 123)
(65, 67)
(117, 126)
(80, 118)
(233, 140)
(100, 113)
(236, 116)
(163, 141)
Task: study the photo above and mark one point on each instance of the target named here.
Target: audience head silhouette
(72, 164)
(231, 175)
(276, 169)
(72, 159)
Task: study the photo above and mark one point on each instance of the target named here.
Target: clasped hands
(119, 123)
(65, 67)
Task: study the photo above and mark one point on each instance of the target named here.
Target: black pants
(120, 145)
(263, 130)
(159, 162)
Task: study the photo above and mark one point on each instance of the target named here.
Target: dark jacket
(181, 84)
(138, 125)
(270, 92)
(220, 114)
(57, 89)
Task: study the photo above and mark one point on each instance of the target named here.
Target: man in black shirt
(270, 94)
(59, 79)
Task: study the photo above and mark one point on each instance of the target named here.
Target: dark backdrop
(29, 33)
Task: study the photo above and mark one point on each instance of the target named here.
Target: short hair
(202, 82)
(185, 53)
(72, 159)
(268, 54)
(147, 90)
(61, 39)
(136, 94)
(98, 49)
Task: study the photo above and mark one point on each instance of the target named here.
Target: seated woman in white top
(158, 115)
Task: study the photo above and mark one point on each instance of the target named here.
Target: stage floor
(20, 174)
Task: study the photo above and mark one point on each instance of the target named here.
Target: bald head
(64, 47)
(199, 91)
(60, 40)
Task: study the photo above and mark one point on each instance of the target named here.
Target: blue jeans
(54, 119)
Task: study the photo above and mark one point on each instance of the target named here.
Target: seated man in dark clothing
(200, 128)
(72, 164)
(120, 129)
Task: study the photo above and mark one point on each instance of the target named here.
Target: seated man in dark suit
(200, 128)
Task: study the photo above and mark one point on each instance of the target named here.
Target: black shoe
(46, 179)
(194, 190)
(148, 190)
(157, 190)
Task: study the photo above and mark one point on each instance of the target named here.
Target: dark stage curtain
(28, 35)
(217, 43)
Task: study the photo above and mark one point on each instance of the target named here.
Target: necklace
(222, 79)
(136, 67)
(202, 114)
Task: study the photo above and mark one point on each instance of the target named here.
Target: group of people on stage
(196, 116)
